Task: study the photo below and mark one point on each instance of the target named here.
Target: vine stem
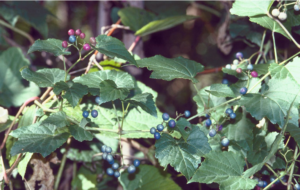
(261, 47)
(278, 178)
(30, 38)
(275, 49)
(292, 168)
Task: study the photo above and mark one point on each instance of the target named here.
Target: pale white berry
(228, 66)
(233, 67)
(3, 115)
(296, 7)
(282, 16)
(275, 12)
(235, 62)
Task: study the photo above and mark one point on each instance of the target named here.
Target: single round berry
(260, 183)
(296, 7)
(275, 12)
(110, 171)
(207, 116)
(233, 67)
(239, 55)
(157, 135)
(131, 169)
(265, 184)
(254, 74)
(187, 113)
(160, 127)
(117, 174)
(115, 166)
(64, 44)
(82, 35)
(273, 178)
(86, 47)
(85, 114)
(71, 32)
(225, 142)
(172, 123)
(225, 81)
(104, 156)
(72, 39)
(78, 32)
(136, 162)
(282, 16)
(232, 115)
(208, 122)
(103, 148)
(108, 149)
(165, 116)
(94, 113)
(243, 90)
(111, 162)
(93, 40)
(220, 127)
(250, 67)
(109, 158)
(152, 130)
(239, 70)
(235, 62)
(297, 187)
(229, 111)
(212, 133)
(228, 66)
(97, 100)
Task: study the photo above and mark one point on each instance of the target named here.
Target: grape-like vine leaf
(51, 45)
(250, 8)
(145, 101)
(80, 133)
(59, 119)
(109, 91)
(221, 90)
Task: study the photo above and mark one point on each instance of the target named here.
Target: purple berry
(82, 35)
(64, 44)
(254, 74)
(220, 127)
(243, 90)
(71, 32)
(78, 32)
(86, 47)
(238, 70)
(239, 55)
(93, 40)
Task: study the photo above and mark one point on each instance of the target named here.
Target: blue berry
(103, 148)
(207, 116)
(250, 67)
(239, 55)
(265, 184)
(104, 156)
(260, 183)
(225, 81)
(109, 158)
(160, 127)
(225, 142)
(232, 115)
(94, 113)
(187, 113)
(85, 114)
(208, 122)
(172, 123)
(243, 90)
(131, 169)
(212, 132)
(136, 162)
(297, 187)
(157, 135)
(296, 7)
(152, 130)
(97, 100)
(110, 171)
(229, 111)
(165, 116)
(108, 149)
(72, 39)
(220, 127)
(273, 178)
(115, 166)
(117, 174)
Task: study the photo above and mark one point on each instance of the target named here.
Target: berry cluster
(94, 113)
(73, 38)
(263, 183)
(110, 159)
(213, 132)
(230, 112)
(281, 15)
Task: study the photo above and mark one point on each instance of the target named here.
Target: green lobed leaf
(59, 119)
(109, 91)
(221, 90)
(183, 155)
(28, 116)
(145, 101)
(169, 69)
(112, 47)
(37, 138)
(250, 8)
(22, 166)
(184, 127)
(73, 91)
(51, 45)
(44, 77)
(135, 18)
(13, 92)
(214, 142)
(146, 175)
(163, 24)
(224, 168)
(277, 99)
(80, 133)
